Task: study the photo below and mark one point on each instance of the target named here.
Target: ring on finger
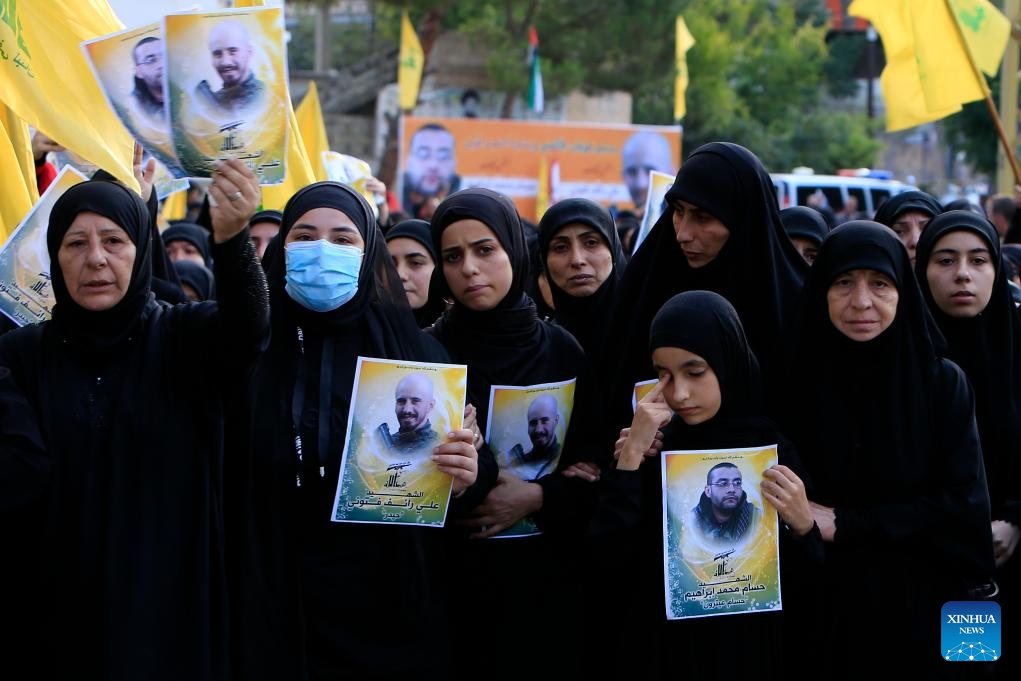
(235, 196)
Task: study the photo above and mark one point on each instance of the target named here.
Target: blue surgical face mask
(321, 276)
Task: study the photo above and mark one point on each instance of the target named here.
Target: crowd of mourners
(171, 439)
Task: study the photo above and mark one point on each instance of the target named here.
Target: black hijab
(196, 235)
(505, 345)
(898, 204)
(758, 270)
(988, 348)
(585, 318)
(861, 405)
(418, 230)
(199, 277)
(804, 222)
(90, 330)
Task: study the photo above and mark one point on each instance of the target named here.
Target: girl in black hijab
(132, 563)
(709, 397)
(580, 238)
(885, 428)
(323, 593)
(493, 328)
(415, 260)
(907, 214)
(751, 262)
(961, 275)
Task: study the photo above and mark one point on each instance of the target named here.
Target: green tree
(758, 70)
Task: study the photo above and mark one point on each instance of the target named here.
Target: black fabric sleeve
(953, 510)
(242, 300)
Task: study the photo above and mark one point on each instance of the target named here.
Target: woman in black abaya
(721, 232)
(132, 562)
(962, 277)
(885, 428)
(356, 600)
(529, 581)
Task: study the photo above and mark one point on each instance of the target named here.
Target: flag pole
(993, 113)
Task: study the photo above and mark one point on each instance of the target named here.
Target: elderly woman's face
(862, 303)
(96, 258)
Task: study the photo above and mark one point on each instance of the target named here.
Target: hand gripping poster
(227, 90)
(721, 538)
(399, 412)
(26, 295)
(526, 430)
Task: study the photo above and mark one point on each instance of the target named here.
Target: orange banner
(609, 164)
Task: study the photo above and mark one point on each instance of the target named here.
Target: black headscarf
(988, 348)
(199, 277)
(861, 399)
(101, 330)
(586, 318)
(418, 230)
(505, 345)
(758, 270)
(898, 204)
(196, 235)
(804, 222)
(268, 215)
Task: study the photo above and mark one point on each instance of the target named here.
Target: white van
(793, 189)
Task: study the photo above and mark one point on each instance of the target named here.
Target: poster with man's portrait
(721, 538)
(526, 431)
(26, 295)
(227, 90)
(129, 66)
(400, 411)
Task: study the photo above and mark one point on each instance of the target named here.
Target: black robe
(327, 599)
(526, 581)
(988, 348)
(132, 581)
(627, 527)
(886, 430)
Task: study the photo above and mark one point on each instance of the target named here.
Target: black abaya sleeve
(954, 512)
(24, 462)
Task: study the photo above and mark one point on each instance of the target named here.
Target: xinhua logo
(970, 631)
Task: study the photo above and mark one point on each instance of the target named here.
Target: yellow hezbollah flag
(313, 131)
(15, 196)
(46, 80)
(299, 169)
(175, 206)
(986, 32)
(684, 42)
(929, 73)
(411, 61)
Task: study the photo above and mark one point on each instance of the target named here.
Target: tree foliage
(758, 71)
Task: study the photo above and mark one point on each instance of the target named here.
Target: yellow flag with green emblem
(46, 80)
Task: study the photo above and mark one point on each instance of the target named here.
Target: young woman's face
(862, 303)
(475, 266)
(700, 235)
(961, 273)
(579, 259)
(328, 224)
(96, 257)
(414, 266)
(690, 386)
